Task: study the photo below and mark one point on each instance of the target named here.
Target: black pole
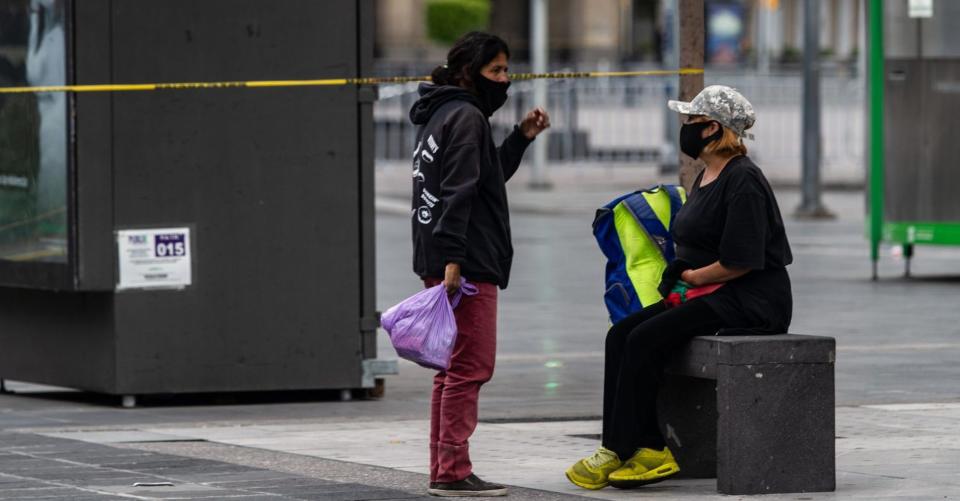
(811, 205)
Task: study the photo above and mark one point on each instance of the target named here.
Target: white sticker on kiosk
(154, 258)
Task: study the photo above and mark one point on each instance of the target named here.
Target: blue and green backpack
(634, 234)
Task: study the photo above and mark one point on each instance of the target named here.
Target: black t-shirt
(736, 220)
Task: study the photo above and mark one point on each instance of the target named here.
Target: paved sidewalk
(133, 464)
(899, 451)
(37, 467)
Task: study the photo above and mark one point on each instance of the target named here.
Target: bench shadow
(187, 399)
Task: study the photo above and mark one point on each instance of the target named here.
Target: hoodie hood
(432, 97)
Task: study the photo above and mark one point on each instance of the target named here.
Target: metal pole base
(540, 185)
(813, 212)
(908, 258)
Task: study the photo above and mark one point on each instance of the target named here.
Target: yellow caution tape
(329, 82)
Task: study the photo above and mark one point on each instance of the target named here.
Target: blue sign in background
(725, 29)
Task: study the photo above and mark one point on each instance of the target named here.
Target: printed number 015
(170, 249)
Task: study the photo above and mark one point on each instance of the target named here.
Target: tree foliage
(448, 20)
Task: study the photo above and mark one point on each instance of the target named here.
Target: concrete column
(846, 28)
(596, 29)
(764, 16)
(400, 34)
(625, 14)
(862, 53)
(776, 30)
(797, 23)
(828, 23)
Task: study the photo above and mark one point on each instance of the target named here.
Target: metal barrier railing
(624, 120)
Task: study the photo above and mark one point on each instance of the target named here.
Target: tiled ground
(37, 467)
(885, 451)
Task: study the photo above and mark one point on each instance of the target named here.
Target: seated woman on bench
(730, 233)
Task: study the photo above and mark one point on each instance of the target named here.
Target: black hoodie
(460, 212)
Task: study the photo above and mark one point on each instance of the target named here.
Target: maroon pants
(453, 409)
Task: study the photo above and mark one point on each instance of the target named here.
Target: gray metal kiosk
(187, 240)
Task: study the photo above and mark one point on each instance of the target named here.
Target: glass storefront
(33, 132)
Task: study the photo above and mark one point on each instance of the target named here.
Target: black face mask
(692, 141)
(491, 94)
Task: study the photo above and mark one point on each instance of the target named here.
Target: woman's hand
(712, 274)
(690, 277)
(537, 121)
(451, 278)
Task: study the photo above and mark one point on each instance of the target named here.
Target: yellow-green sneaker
(647, 466)
(591, 472)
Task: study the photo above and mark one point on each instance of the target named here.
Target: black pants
(635, 350)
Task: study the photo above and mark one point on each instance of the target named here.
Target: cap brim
(680, 106)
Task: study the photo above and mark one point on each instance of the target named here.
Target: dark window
(33, 132)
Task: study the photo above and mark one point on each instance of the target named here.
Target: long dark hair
(468, 56)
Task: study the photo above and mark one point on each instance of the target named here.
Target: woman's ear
(710, 129)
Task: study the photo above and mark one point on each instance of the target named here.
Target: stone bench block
(756, 412)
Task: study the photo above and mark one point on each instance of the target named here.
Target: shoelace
(601, 457)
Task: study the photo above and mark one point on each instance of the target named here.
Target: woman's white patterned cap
(723, 104)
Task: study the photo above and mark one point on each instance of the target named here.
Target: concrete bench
(756, 412)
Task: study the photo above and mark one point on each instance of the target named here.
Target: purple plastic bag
(422, 327)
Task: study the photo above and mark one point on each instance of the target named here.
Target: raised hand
(536, 121)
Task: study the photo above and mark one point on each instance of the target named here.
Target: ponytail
(440, 75)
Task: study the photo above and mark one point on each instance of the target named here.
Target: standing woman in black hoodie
(461, 228)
